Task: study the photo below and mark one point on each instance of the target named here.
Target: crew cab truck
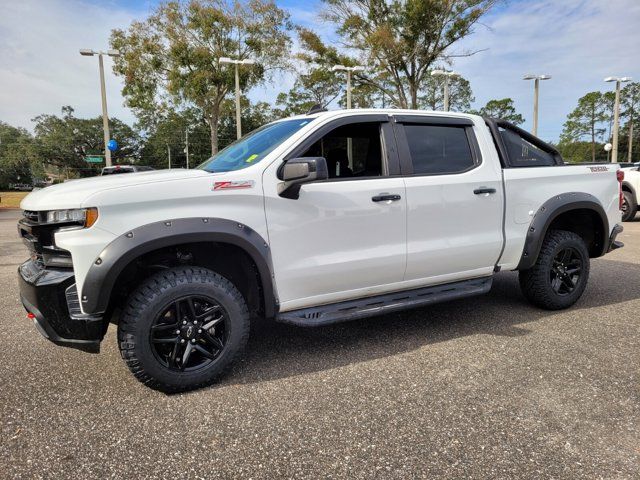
(309, 220)
(630, 189)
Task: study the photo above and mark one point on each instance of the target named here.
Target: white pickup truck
(309, 220)
(630, 191)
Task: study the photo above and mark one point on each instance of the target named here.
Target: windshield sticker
(251, 158)
(233, 185)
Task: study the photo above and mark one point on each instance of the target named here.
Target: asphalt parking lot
(487, 387)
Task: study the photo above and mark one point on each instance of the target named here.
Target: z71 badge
(599, 169)
(233, 185)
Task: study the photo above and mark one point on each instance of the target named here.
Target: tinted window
(438, 149)
(351, 151)
(523, 153)
(116, 170)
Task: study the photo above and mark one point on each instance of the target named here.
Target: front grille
(38, 237)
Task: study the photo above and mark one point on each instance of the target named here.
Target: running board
(386, 303)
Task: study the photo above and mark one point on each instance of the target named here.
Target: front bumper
(613, 243)
(50, 296)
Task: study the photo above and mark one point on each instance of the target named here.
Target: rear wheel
(560, 274)
(629, 207)
(182, 328)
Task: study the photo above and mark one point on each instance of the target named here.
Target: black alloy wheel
(190, 333)
(565, 271)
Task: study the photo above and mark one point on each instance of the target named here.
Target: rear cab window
(523, 153)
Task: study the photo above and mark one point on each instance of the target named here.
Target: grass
(11, 199)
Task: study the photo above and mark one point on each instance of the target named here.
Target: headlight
(82, 216)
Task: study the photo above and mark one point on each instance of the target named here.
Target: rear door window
(438, 149)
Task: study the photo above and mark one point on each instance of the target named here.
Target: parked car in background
(21, 187)
(310, 220)
(125, 169)
(630, 191)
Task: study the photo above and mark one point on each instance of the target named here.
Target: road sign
(94, 159)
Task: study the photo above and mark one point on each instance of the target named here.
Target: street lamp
(616, 114)
(447, 75)
(246, 61)
(349, 70)
(87, 52)
(536, 90)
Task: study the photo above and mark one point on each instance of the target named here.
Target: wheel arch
(108, 267)
(578, 212)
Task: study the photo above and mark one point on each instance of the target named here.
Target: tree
(318, 87)
(587, 119)
(404, 38)
(18, 160)
(169, 135)
(254, 115)
(503, 109)
(65, 141)
(580, 151)
(630, 104)
(316, 83)
(460, 94)
(170, 60)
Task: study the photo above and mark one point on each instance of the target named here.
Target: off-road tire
(632, 208)
(145, 303)
(535, 282)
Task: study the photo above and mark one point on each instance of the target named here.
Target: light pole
(87, 52)
(447, 76)
(350, 71)
(186, 144)
(246, 61)
(616, 114)
(536, 90)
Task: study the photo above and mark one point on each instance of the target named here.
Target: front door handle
(386, 197)
(481, 190)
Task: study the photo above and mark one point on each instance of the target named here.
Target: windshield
(253, 147)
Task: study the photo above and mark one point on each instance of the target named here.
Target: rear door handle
(481, 190)
(386, 197)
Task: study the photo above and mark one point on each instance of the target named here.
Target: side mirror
(298, 171)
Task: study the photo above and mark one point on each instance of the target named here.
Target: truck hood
(72, 194)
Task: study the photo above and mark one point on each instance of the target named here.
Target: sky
(577, 42)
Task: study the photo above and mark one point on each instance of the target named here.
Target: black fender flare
(548, 212)
(102, 275)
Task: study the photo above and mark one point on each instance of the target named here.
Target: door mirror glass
(295, 171)
(298, 171)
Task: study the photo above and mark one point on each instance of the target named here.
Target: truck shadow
(279, 351)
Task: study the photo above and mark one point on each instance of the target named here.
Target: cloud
(578, 42)
(40, 67)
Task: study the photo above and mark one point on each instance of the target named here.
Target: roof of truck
(388, 111)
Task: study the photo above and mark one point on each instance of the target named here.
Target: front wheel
(560, 274)
(629, 207)
(182, 328)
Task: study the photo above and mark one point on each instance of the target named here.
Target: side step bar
(382, 304)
